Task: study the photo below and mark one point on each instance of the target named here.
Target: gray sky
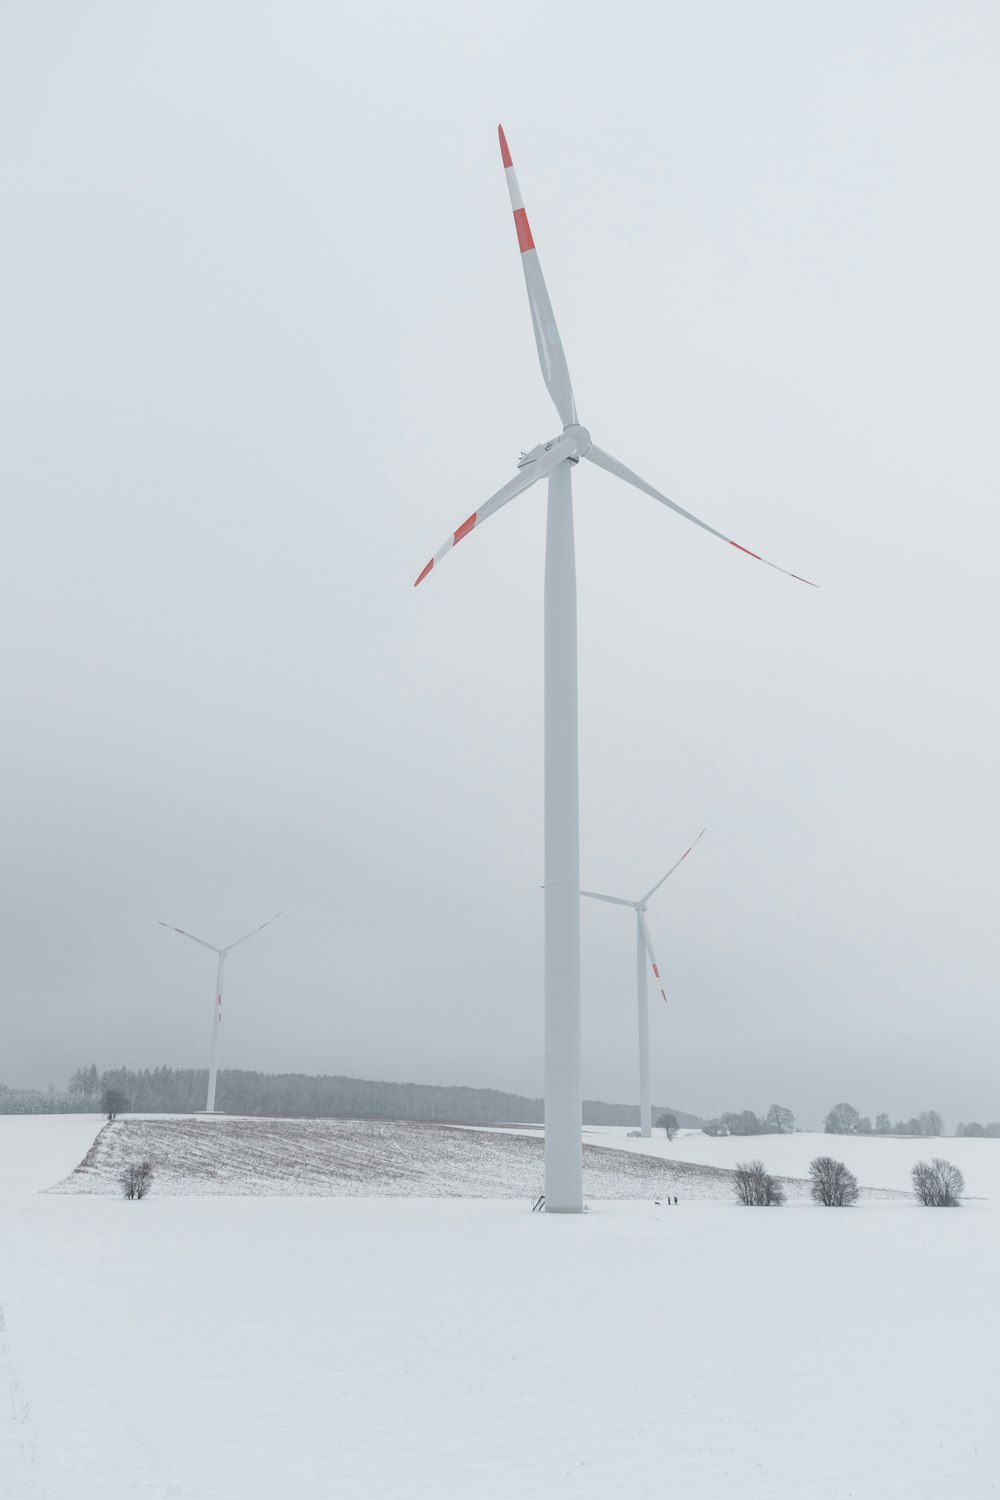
(266, 342)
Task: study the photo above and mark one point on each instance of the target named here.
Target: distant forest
(183, 1091)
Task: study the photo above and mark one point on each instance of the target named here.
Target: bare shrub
(755, 1187)
(938, 1184)
(136, 1178)
(831, 1183)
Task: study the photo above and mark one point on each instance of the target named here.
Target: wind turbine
(554, 460)
(217, 1018)
(643, 945)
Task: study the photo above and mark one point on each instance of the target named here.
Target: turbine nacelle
(573, 443)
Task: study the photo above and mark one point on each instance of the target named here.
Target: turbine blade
(673, 867)
(605, 461)
(250, 934)
(615, 900)
(522, 481)
(555, 371)
(652, 956)
(171, 928)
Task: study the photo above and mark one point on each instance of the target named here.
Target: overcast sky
(266, 342)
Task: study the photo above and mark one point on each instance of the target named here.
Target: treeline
(974, 1128)
(777, 1121)
(183, 1090)
(35, 1102)
(844, 1119)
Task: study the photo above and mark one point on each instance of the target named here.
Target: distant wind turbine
(217, 1018)
(643, 945)
(555, 461)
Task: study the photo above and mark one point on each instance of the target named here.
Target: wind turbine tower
(555, 461)
(213, 1066)
(643, 948)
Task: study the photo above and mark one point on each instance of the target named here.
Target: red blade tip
(425, 572)
(504, 149)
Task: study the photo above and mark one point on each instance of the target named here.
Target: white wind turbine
(213, 1067)
(643, 945)
(554, 460)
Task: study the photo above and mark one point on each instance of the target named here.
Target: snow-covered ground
(237, 1348)
(876, 1161)
(249, 1157)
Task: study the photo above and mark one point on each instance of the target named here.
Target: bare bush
(755, 1187)
(831, 1183)
(136, 1178)
(938, 1184)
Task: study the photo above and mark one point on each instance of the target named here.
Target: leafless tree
(779, 1120)
(136, 1178)
(755, 1187)
(831, 1184)
(113, 1102)
(743, 1123)
(842, 1120)
(668, 1123)
(938, 1184)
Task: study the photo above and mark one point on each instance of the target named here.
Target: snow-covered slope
(877, 1161)
(404, 1159)
(367, 1159)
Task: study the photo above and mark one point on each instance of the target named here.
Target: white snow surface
(213, 1347)
(877, 1161)
(256, 1157)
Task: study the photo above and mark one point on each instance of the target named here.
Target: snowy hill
(253, 1157)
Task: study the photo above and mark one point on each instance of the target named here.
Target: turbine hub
(581, 437)
(572, 443)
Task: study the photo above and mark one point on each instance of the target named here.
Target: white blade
(516, 486)
(250, 934)
(652, 956)
(191, 935)
(667, 876)
(555, 371)
(605, 461)
(615, 900)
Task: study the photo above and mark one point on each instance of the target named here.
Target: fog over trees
(777, 1121)
(183, 1090)
(167, 1090)
(844, 1119)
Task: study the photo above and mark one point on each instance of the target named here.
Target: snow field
(237, 1348)
(876, 1161)
(367, 1158)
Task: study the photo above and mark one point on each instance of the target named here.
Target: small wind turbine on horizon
(643, 946)
(554, 460)
(217, 1018)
